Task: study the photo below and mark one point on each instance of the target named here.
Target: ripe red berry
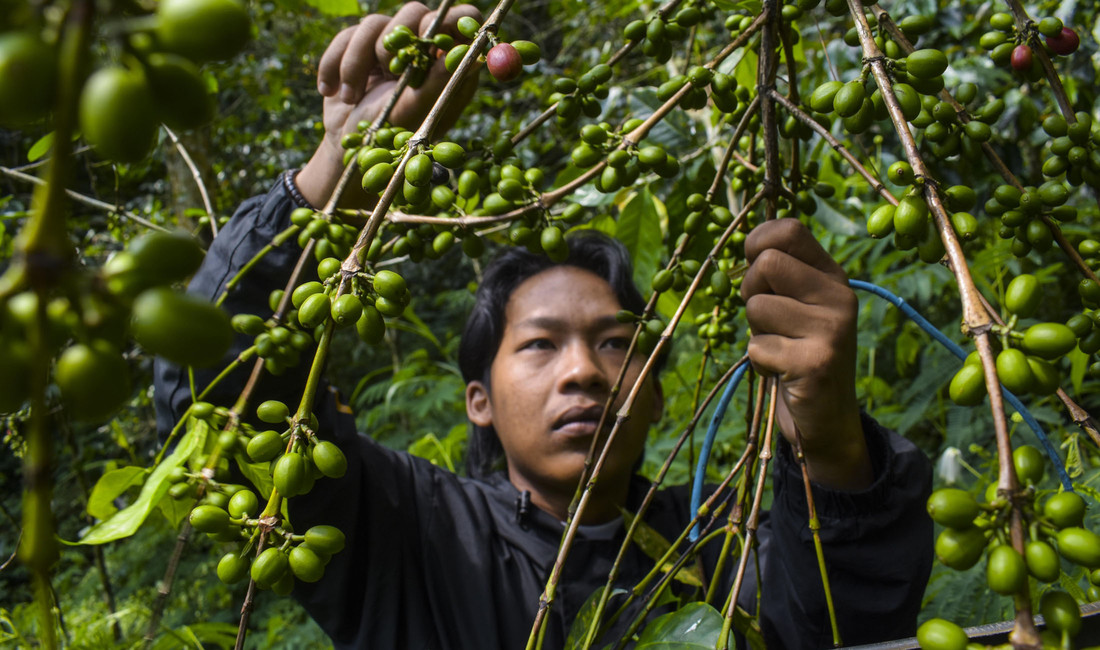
(504, 62)
(1021, 58)
(1065, 43)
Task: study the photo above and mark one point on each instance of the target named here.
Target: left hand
(803, 318)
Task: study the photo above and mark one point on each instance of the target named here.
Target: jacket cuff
(840, 504)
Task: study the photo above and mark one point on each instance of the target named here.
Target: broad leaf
(258, 474)
(109, 487)
(694, 626)
(126, 521)
(579, 630)
(40, 148)
(639, 228)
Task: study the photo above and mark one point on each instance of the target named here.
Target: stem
(976, 320)
(164, 588)
(590, 638)
(815, 529)
(765, 82)
(86, 200)
(754, 518)
(250, 594)
(198, 180)
(96, 549)
(733, 524)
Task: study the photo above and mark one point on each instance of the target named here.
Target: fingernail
(347, 94)
(324, 89)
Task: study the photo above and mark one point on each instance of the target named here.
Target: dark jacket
(435, 560)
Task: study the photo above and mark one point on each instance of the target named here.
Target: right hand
(356, 84)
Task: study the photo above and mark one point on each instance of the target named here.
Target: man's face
(561, 352)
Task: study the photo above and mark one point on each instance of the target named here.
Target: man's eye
(618, 342)
(537, 344)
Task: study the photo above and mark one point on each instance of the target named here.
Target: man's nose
(582, 369)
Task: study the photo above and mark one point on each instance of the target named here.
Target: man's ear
(478, 408)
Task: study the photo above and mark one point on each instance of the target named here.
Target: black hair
(590, 250)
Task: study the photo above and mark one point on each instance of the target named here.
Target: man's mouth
(579, 421)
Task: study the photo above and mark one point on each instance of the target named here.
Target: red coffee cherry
(504, 62)
(1021, 58)
(1065, 43)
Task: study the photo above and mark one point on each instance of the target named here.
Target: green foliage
(408, 393)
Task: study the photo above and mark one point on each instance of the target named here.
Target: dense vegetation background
(407, 392)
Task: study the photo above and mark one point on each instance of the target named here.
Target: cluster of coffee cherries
(1055, 527)
(1027, 361)
(657, 33)
(1007, 44)
(231, 514)
(1074, 149)
(504, 60)
(158, 80)
(87, 322)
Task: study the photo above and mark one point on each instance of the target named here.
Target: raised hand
(355, 81)
(803, 319)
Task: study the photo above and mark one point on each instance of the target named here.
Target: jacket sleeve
(384, 500)
(255, 224)
(877, 547)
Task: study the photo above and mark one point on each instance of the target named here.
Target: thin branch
(86, 200)
(164, 587)
(754, 518)
(991, 154)
(976, 320)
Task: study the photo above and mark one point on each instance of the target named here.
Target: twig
(805, 118)
(164, 587)
(86, 200)
(96, 549)
(815, 529)
(654, 485)
(990, 153)
(754, 519)
(198, 180)
(975, 318)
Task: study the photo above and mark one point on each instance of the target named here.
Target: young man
(435, 560)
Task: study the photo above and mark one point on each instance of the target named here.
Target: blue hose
(922, 322)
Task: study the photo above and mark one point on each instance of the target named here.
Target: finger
(770, 354)
(450, 21)
(795, 239)
(359, 59)
(778, 272)
(783, 316)
(414, 104)
(408, 15)
(328, 72)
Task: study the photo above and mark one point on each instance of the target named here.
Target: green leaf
(174, 510)
(639, 229)
(336, 7)
(579, 630)
(656, 546)
(109, 487)
(40, 148)
(1079, 363)
(695, 626)
(125, 522)
(258, 474)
